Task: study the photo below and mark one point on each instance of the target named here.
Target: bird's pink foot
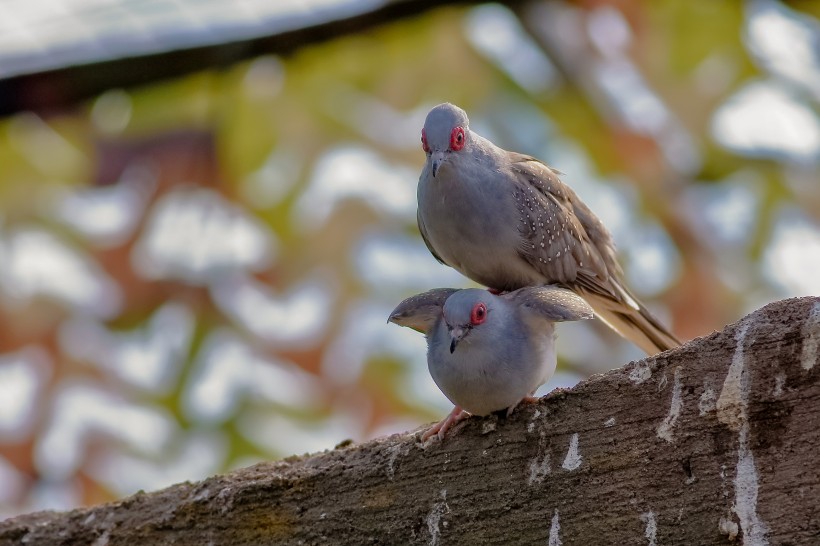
(444, 425)
(496, 291)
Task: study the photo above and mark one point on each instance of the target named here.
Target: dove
(506, 220)
(489, 352)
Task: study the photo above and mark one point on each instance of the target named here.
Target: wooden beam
(710, 443)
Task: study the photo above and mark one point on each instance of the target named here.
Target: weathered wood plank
(713, 442)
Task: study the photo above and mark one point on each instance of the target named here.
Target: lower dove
(489, 352)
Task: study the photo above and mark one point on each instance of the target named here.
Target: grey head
(461, 310)
(446, 131)
(469, 312)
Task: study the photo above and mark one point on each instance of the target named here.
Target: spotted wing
(560, 236)
(551, 303)
(565, 242)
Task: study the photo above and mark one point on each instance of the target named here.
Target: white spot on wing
(555, 531)
(811, 338)
(573, 458)
(665, 428)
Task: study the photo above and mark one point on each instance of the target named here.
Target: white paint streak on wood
(662, 382)
(811, 338)
(729, 528)
(731, 404)
(573, 459)
(394, 453)
(708, 400)
(665, 428)
(779, 382)
(732, 408)
(640, 372)
(535, 415)
(226, 499)
(746, 488)
(488, 427)
(724, 486)
(434, 518)
(651, 530)
(540, 466)
(103, 539)
(555, 531)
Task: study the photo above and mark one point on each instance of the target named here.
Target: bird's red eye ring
(478, 314)
(424, 145)
(457, 139)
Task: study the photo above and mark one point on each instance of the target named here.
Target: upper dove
(506, 220)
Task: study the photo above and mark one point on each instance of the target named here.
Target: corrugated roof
(54, 53)
(42, 35)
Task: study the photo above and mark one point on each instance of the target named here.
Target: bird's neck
(485, 152)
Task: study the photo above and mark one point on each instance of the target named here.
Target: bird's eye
(424, 145)
(478, 314)
(457, 139)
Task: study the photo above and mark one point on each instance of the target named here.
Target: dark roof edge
(57, 89)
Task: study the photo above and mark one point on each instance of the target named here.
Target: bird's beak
(437, 159)
(456, 335)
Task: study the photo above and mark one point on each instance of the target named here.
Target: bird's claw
(441, 428)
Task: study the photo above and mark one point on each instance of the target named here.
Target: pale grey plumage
(507, 221)
(493, 364)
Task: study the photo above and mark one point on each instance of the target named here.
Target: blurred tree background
(195, 273)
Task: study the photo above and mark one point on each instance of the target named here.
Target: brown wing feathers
(567, 243)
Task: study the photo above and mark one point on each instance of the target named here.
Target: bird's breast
(473, 225)
(488, 376)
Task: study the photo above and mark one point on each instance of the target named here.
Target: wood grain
(710, 443)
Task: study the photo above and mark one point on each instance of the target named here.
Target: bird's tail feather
(636, 324)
